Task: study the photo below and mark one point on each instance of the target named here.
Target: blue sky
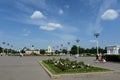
(55, 22)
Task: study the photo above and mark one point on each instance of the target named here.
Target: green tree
(42, 51)
(81, 50)
(57, 51)
(22, 51)
(73, 50)
(64, 51)
(1, 49)
(93, 50)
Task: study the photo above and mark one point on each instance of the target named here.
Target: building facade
(49, 50)
(113, 49)
(32, 50)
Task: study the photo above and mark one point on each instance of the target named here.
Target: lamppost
(11, 48)
(57, 49)
(61, 48)
(97, 35)
(8, 47)
(3, 46)
(77, 45)
(68, 47)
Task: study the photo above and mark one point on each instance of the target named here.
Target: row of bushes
(114, 58)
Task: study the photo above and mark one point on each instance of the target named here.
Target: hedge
(113, 58)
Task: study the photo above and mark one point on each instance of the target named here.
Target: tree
(93, 50)
(64, 51)
(81, 50)
(22, 51)
(57, 51)
(42, 51)
(74, 49)
(1, 49)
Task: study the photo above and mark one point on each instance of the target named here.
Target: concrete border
(54, 76)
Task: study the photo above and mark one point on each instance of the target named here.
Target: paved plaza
(28, 68)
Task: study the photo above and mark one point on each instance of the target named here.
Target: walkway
(27, 68)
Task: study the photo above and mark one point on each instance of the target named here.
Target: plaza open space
(28, 68)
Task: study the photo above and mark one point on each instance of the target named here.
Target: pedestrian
(21, 55)
(97, 57)
(103, 58)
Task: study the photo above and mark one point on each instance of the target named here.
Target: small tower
(32, 47)
(49, 49)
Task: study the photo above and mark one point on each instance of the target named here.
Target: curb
(53, 76)
(88, 74)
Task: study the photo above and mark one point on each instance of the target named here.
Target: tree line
(74, 50)
(5, 50)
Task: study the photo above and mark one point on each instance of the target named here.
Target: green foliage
(64, 51)
(92, 50)
(57, 51)
(114, 58)
(1, 49)
(42, 51)
(22, 51)
(51, 67)
(74, 49)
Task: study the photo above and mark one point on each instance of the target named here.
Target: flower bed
(67, 66)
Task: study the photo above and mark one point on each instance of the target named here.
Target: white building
(113, 49)
(32, 51)
(49, 50)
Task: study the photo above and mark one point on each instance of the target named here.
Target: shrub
(114, 58)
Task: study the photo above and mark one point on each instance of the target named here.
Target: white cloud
(67, 6)
(110, 14)
(61, 11)
(37, 15)
(105, 5)
(51, 26)
(26, 32)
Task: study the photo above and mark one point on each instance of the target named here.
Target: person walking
(103, 58)
(97, 57)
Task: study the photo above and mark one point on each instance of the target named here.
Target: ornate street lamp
(3, 47)
(11, 48)
(53, 50)
(8, 47)
(57, 49)
(77, 45)
(97, 35)
(68, 47)
(61, 48)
